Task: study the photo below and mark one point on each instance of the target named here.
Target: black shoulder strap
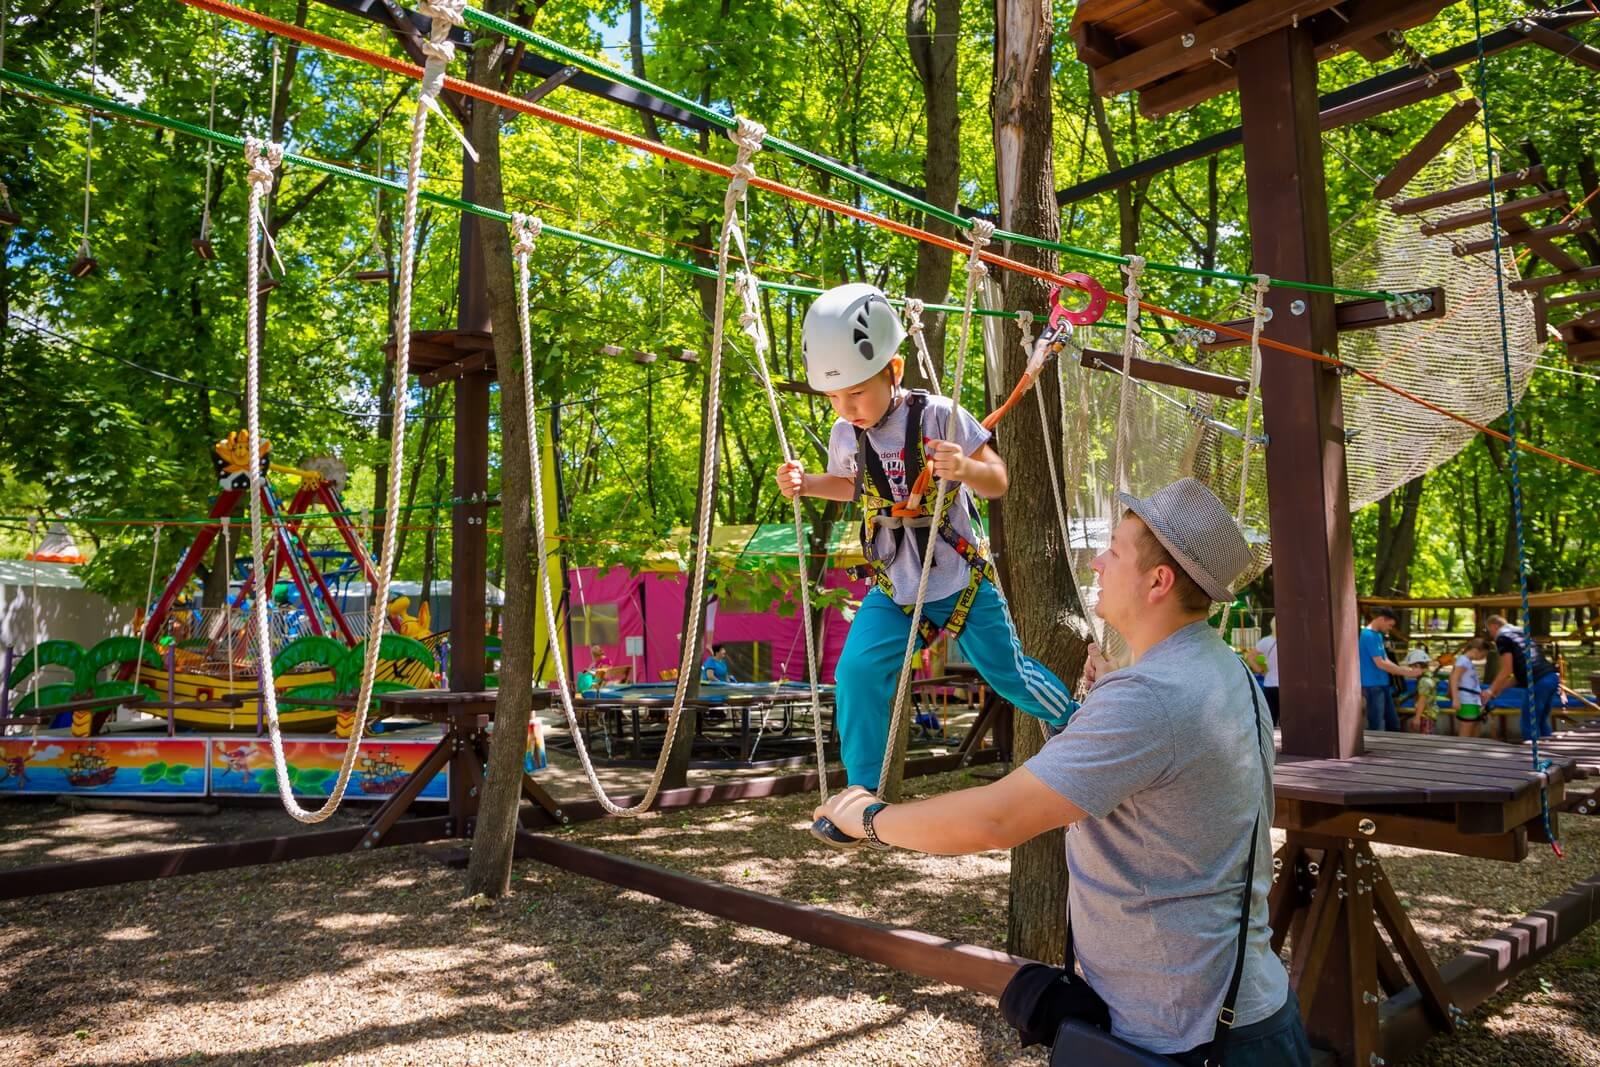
(1225, 1017)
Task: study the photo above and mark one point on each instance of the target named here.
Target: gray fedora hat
(1193, 525)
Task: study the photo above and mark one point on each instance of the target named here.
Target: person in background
(1466, 686)
(1425, 707)
(1521, 660)
(715, 668)
(1376, 670)
(1266, 664)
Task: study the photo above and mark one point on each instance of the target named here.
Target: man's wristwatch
(867, 817)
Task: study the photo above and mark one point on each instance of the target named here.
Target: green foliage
(163, 773)
(53, 653)
(114, 387)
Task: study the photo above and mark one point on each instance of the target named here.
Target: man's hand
(1095, 667)
(844, 810)
(948, 461)
(791, 479)
(1416, 672)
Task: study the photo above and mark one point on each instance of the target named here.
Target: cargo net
(1170, 433)
(1453, 361)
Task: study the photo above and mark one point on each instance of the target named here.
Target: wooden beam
(1309, 500)
(461, 367)
(1435, 835)
(1561, 44)
(1502, 183)
(1589, 297)
(1545, 281)
(1150, 370)
(1565, 229)
(1427, 149)
(801, 388)
(1585, 352)
(981, 970)
(1350, 315)
(1222, 34)
(1507, 210)
(1548, 251)
(1361, 25)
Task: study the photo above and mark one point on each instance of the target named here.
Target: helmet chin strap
(894, 401)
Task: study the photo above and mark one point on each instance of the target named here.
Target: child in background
(1466, 686)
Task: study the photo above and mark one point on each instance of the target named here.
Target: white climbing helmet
(850, 334)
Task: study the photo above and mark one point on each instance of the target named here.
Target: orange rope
(494, 96)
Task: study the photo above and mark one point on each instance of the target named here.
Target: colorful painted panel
(244, 767)
(111, 766)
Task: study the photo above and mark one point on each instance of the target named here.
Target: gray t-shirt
(1164, 759)
(889, 441)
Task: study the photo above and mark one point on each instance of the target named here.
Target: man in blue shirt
(1376, 668)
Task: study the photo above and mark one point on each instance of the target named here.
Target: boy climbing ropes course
(883, 439)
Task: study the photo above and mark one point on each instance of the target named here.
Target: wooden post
(1314, 581)
(469, 536)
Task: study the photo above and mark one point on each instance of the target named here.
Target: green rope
(127, 111)
(484, 20)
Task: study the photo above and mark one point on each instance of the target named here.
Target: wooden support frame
(1427, 149)
(1563, 45)
(1592, 296)
(1526, 237)
(1150, 370)
(1515, 179)
(1350, 315)
(1545, 281)
(1361, 24)
(477, 361)
(1225, 33)
(1557, 198)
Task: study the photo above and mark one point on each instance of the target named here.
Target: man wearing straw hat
(1163, 780)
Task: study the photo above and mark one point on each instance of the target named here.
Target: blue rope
(1530, 726)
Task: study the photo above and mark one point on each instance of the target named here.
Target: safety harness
(878, 501)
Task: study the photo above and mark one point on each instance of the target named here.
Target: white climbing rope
(1025, 324)
(1257, 320)
(748, 136)
(980, 234)
(913, 313)
(149, 594)
(33, 576)
(751, 323)
(1130, 347)
(211, 126)
(88, 121)
(263, 160)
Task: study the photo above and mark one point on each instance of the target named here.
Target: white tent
(67, 610)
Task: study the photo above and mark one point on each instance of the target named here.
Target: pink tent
(636, 618)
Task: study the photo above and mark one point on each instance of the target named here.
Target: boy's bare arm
(983, 472)
(792, 479)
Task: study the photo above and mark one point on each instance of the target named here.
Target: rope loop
(913, 309)
(1025, 324)
(750, 322)
(981, 234)
(525, 230)
(443, 15)
(263, 158)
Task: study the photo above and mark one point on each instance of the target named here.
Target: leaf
(152, 773)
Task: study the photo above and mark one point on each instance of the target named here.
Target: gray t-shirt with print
(1164, 758)
(889, 441)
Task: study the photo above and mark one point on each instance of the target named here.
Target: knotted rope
(263, 161)
(1130, 347)
(914, 328)
(980, 234)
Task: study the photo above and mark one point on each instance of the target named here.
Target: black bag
(1052, 1005)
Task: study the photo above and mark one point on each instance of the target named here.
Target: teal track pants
(870, 666)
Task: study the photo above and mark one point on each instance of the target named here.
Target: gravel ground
(378, 958)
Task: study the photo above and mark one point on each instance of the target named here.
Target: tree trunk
(1035, 568)
(1397, 540)
(489, 870)
(934, 54)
